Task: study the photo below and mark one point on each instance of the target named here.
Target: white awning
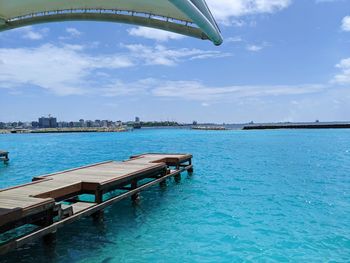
(188, 17)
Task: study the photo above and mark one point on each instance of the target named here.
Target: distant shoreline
(315, 125)
(63, 130)
(211, 127)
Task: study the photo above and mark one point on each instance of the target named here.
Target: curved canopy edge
(188, 17)
(73, 15)
(199, 12)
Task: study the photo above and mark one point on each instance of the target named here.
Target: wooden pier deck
(51, 201)
(4, 156)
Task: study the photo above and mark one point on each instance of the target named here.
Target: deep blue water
(255, 196)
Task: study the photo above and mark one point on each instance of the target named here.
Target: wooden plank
(89, 211)
(81, 206)
(60, 191)
(39, 196)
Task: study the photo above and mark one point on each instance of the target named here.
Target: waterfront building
(81, 123)
(106, 124)
(47, 122)
(89, 124)
(63, 124)
(27, 125)
(35, 124)
(137, 123)
(97, 123)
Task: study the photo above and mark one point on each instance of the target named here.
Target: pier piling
(135, 197)
(4, 156)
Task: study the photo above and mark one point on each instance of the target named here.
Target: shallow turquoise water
(257, 196)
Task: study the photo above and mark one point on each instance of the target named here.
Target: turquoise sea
(255, 196)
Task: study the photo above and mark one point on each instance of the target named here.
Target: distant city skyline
(135, 119)
(282, 60)
(50, 121)
(46, 119)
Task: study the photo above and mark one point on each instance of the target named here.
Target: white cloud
(346, 23)
(225, 10)
(74, 47)
(160, 55)
(47, 67)
(31, 34)
(62, 70)
(73, 31)
(235, 22)
(344, 76)
(67, 69)
(119, 88)
(328, 1)
(254, 48)
(233, 39)
(197, 91)
(155, 34)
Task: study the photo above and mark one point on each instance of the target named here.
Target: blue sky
(282, 60)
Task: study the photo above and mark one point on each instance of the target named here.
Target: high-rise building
(137, 123)
(47, 122)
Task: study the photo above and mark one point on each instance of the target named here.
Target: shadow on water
(107, 260)
(4, 166)
(84, 238)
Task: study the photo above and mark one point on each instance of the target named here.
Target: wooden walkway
(52, 201)
(4, 156)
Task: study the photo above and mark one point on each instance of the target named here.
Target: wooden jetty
(4, 156)
(52, 201)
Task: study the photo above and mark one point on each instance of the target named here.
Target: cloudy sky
(282, 60)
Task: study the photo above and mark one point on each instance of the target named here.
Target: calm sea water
(257, 196)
